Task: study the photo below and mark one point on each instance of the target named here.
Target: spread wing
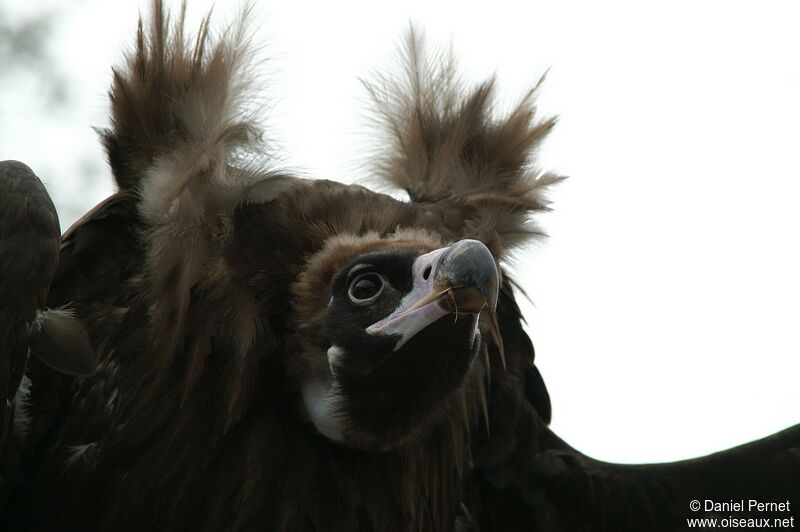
(531, 477)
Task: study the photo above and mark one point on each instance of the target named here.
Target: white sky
(666, 298)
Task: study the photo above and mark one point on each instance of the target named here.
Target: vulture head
(390, 330)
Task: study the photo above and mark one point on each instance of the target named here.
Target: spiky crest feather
(447, 146)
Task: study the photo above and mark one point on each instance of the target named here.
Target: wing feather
(556, 487)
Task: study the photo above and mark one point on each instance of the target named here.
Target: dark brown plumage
(276, 353)
(29, 249)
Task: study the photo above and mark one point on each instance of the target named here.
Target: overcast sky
(666, 317)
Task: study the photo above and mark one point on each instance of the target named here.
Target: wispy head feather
(189, 105)
(448, 145)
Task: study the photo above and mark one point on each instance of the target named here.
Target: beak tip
(491, 301)
(469, 266)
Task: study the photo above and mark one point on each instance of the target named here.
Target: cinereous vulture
(267, 352)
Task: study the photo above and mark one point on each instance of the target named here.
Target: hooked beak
(461, 279)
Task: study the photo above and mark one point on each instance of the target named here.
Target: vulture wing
(29, 237)
(529, 476)
(29, 254)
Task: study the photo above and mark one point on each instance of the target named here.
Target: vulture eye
(365, 287)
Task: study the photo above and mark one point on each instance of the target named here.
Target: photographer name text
(745, 505)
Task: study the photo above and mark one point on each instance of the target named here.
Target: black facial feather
(394, 267)
(240, 387)
(395, 398)
(348, 321)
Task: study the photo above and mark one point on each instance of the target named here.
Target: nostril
(426, 273)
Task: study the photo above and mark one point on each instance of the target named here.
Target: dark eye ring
(366, 287)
